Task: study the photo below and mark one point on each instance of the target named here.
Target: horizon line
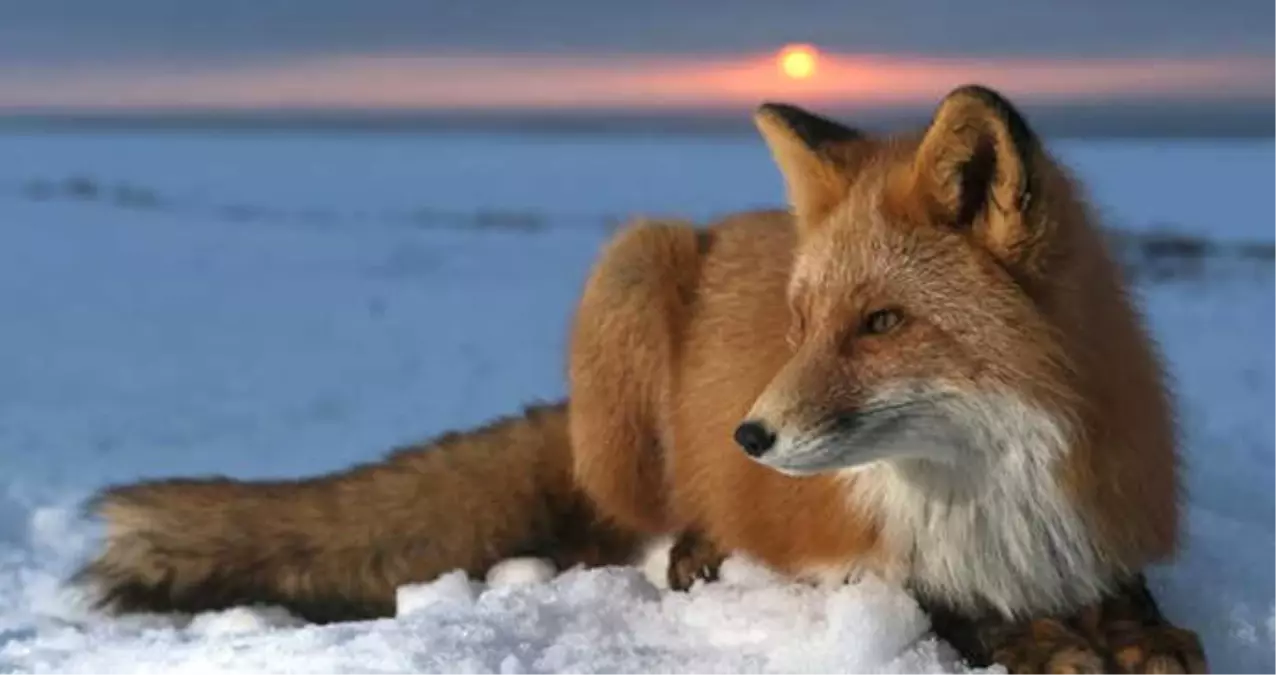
(496, 81)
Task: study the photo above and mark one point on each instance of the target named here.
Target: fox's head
(921, 294)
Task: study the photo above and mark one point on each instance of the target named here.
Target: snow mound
(598, 620)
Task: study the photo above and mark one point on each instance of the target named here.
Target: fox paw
(1161, 649)
(1137, 637)
(693, 558)
(1050, 647)
(1044, 646)
(1123, 633)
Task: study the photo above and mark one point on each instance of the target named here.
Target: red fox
(926, 368)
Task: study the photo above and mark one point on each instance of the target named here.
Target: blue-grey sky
(574, 53)
(94, 32)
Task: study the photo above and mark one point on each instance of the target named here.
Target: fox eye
(882, 321)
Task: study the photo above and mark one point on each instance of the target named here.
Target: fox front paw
(1048, 647)
(1137, 637)
(693, 558)
(1044, 646)
(1123, 633)
(1160, 649)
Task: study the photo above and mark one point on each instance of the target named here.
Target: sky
(645, 53)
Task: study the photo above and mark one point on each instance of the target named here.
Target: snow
(519, 571)
(282, 305)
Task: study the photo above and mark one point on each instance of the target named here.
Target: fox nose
(755, 438)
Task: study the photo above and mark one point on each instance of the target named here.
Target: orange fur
(988, 247)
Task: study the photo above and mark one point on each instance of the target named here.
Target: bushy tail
(336, 547)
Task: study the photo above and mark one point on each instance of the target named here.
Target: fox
(926, 366)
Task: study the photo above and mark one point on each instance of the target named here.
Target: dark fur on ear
(815, 131)
(811, 153)
(978, 165)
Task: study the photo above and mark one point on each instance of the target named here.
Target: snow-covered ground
(264, 306)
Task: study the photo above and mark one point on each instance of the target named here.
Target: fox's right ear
(800, 142)
(976, 168)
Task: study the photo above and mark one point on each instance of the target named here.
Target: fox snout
(896, 428)
(796, 450)
(755, 437)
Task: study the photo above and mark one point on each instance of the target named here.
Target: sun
(798, 61)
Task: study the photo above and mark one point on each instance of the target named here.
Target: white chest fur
(998, 532)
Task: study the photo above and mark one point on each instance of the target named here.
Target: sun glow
(607, 82)
(798, 61)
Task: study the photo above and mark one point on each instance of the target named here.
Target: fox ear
(801, 144)
(975, 168)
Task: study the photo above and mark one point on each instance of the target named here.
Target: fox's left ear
(810, 151)
(976, 166)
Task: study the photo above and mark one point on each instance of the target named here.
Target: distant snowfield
(265, 306)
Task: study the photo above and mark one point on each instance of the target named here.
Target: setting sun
(798, 61)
